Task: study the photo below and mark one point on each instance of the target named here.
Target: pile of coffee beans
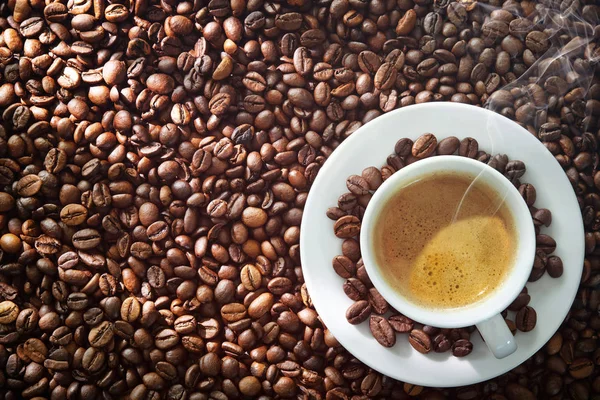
(368, 302)
(155, 159)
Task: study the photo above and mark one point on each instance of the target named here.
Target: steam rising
(557, 81)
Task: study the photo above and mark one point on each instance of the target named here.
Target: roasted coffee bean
(441, 343)
(401, 323)
(382, 331)
(356, 290)
(468, 147)
(358, 312)
(537, 41)
(101, 335)
(9, 312)
(29, 185)
(385, 77)
(73, 214)
(420, 341)
(528, 193)
(86, 239)
(448, 146)
(403, 147)
(424, 146)
(378, 303)
(462, 348)
(545, 243)
(514, 169)
(344, 267)
(357, 185)
(526, 319)
(131, 309)
(521, 301)
(549, 132)
(581, 368)
(347, 226)
(542, 216)
(407, 23)
(373, 177)
(554, 266)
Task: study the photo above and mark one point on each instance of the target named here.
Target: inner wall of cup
(494, 183)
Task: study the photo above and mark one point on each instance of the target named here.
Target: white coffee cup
(484, 314)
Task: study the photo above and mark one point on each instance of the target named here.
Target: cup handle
(497, 336)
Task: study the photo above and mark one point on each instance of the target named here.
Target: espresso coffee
(445, 241)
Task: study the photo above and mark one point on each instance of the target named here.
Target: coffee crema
(445, 241)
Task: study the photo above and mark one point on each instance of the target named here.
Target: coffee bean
(168, 338)
(549, 132)
(254, 82)
(407, 23)
(357, 185)
(468, 147)
(356, 290)
(528, 193)
(373, 177)
(545, 243)
(420, 341)
(157, 231)
(554, 266)
(251, 277)
(448, 146)
(303, 63)
(130, 309)
(289, 21)
(542, 216)
(47, 245)
(29, 185)
(382, 331)
(441, 343)
(462, 348)
(344, 267)
(7, 202)
(347, 226)
(35, 350)
(9, 312)
(514, 169)
(432, 24)
(233, 312)
(403, 147)
(521, 301)
(515, 391)
(526, 319)
(494, 30)
(369, 62)
(160, 83)
(378, 303)
(581, 368)
(358, 312)
(260, 306)
(86, 239)
(537, 41)
(385, 77)
(401, 323)
(424, 146)
(101, 335)
(73, 214)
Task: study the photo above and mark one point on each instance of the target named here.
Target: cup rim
(502, 296)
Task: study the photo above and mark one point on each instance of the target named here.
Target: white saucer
(370, 146)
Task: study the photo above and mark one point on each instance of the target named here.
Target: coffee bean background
(150, 150)
(357, 285)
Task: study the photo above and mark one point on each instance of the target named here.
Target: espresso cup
(484, 314)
